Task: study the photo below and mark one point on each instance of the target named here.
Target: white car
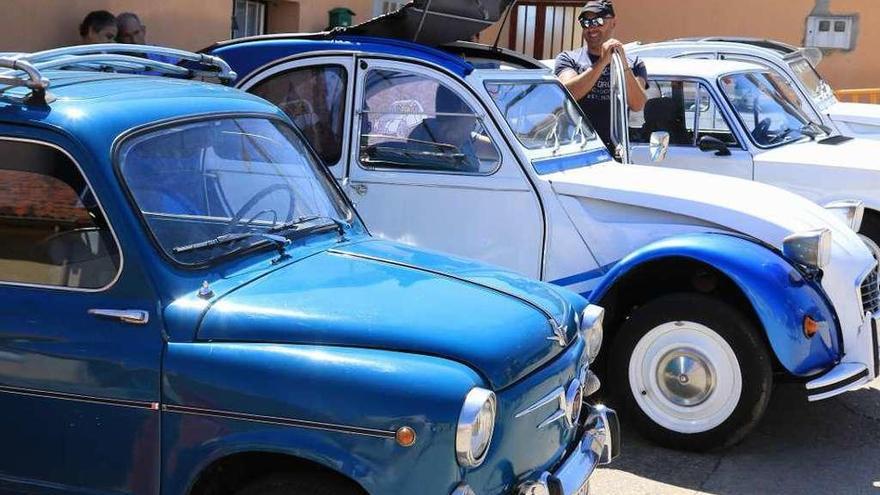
(796, 65)
(711, 284)
(742, 120)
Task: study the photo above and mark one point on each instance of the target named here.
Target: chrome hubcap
(685, 377)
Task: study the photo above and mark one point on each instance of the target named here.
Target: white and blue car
(711, 284)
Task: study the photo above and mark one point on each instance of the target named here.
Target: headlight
(851, 211)
(475, 426)
(811, 248)
(591, 329)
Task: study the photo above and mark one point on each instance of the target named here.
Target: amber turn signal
(812, 327)
(405, 436)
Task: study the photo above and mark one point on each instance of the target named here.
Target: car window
(684, 109)
(314, 99)
(193, 182)
(53, 231)
(413, 122)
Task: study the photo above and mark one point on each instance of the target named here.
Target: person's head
(598, 21)
(130, 29)
(99, 26)
(455, 128)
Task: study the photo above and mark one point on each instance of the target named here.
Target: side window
(684, 109)
(53, 231)
(413, 122)
(314, 99)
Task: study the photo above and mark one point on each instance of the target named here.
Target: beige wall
(784, 20)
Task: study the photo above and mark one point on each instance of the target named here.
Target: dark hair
(96, 20)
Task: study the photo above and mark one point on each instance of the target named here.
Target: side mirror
(711, 143)
(659, 145)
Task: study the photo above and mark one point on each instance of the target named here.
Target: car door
(317, 94)
(429, 168)
(690, 113)
(80, 339)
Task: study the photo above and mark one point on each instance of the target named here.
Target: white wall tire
(691, 372)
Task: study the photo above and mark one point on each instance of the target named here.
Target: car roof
(96, 107)
(249, 54)
(775, 45)
(706, 69)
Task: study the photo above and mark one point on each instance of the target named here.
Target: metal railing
(868, 95)
(24, 69)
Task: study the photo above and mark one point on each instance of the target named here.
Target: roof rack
(23, 69)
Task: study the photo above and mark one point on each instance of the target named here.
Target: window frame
(101, 209)
(735, 130)
(263, 20)
(451, 84)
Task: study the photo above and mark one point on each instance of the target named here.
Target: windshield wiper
(280, 242)
(299, 228)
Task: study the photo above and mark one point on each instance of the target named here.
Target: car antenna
(503, 22)
(422, 21)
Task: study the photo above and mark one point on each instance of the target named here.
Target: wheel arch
(748, 275)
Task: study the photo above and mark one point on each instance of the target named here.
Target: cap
(602, 8)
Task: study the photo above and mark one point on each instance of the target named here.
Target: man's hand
(608, 49)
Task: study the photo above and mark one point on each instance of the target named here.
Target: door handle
(360, 189)
(133, 316)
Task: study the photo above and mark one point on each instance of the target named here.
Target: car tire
(298, 484)
(716, 376)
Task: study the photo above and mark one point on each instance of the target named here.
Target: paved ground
(799, 448)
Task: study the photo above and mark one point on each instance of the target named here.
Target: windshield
(196, 181)
(767, 107)
(542, 115)
(816, 86)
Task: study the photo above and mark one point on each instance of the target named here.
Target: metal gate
(542, 29)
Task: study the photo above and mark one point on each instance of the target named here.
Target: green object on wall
(340, 17)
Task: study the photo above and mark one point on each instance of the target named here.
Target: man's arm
(579, 85)
(636, 78)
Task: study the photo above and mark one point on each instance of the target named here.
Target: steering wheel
(761, 131)
(259, 196)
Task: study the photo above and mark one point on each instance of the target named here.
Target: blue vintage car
(190, 305)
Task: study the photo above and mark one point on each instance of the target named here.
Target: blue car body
(315, 358)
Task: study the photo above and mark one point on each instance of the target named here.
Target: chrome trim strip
(276, 420)
(46, 394)
(100, 208)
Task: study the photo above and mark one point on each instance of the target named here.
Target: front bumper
(599, 444)
(860, 364)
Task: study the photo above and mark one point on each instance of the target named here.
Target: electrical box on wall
(831, 31)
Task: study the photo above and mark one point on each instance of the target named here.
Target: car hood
(860, 113)
(757, 210)
(854, 153)
(373, 294)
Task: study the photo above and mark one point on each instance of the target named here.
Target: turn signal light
(812, 327)
(405, 436)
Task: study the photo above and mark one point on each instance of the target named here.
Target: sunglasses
(592, 23)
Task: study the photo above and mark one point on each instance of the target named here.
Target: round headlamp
(574, 401)
(475, 426)
(591, 329)
(851, 212)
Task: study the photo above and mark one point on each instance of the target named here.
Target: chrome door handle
(133, 316)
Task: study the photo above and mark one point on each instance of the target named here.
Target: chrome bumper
(600, 444)
(859, 367)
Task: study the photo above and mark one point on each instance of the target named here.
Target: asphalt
(800, 447)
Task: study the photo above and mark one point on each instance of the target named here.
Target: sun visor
(434, 22)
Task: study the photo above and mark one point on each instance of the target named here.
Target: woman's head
(99, 26)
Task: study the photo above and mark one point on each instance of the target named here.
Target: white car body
(796, 65)
(823, 170)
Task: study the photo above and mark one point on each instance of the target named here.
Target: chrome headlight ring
(811, 248)
(850, 211)
(476, 424)
(590, 328)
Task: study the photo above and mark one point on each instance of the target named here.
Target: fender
(335, 406)
(778, 292)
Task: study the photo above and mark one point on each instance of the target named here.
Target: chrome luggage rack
(24, 69)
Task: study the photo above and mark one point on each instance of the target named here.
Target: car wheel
(300, 484)
(691, 372)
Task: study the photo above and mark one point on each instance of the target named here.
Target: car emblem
(559, 333)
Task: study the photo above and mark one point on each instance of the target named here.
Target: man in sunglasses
(586, 71)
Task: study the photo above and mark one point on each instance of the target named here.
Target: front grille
(871, 292)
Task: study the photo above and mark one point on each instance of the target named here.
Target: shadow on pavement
(800, 447)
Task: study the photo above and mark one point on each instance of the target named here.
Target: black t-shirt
(597, 103)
